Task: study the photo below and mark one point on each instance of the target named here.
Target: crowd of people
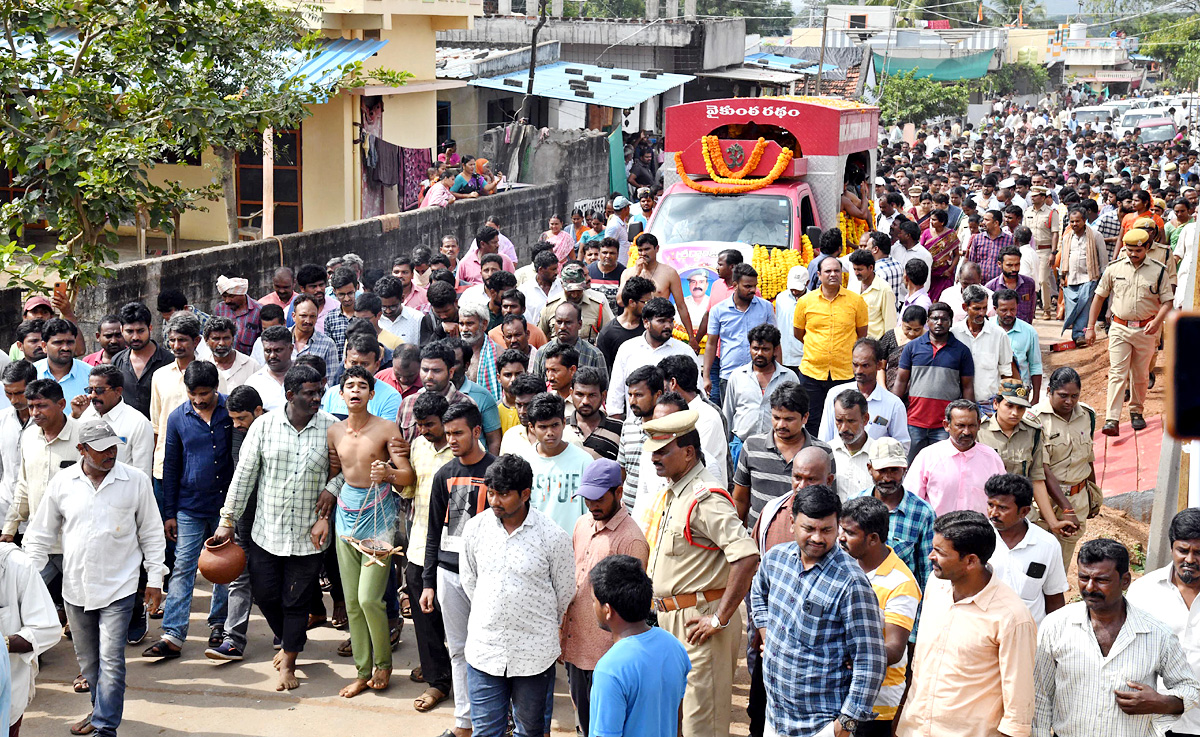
(868, 488)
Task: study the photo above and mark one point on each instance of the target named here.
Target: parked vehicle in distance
(1157, 130)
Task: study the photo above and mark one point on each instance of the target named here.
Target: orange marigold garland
(733, 186)
(715, 159)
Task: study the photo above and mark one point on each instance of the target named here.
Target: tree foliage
(87, 117)
(911, 98)
(1018, 78)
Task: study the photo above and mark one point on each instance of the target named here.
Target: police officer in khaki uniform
(1068, 428)
(1141, 295)
(1019, 439)
(1045, 222)
(702, 562)
(592, 304)
(1158, 251)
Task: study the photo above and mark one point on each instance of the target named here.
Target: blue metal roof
(323, 66)
(616, 88)
(785, 64)
(320, 66)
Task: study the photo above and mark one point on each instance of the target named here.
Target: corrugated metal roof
(762, 75)
(616, 88)
(320, 66)
(785, 64)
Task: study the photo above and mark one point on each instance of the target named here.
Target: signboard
(696, 263)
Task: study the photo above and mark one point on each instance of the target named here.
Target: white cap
(1010, 182)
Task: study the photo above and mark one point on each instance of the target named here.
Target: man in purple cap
(607, 530)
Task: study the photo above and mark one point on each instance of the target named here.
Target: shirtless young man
(365, 503)
(665, 278)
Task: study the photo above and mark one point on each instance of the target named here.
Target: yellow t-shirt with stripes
(899, 596)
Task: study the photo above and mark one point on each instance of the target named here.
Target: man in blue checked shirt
(821, 627)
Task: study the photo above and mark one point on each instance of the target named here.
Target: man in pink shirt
(469, 270)
(950, 473)
(414, 296)
(283, 288)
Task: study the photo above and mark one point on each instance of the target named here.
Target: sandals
(339, 620)
(80, 684)
(417, 675)
(83, 726)
(162, 651)
(429, 700)
(405, 607)
(345, 650)
(156, 613)
(315, 621)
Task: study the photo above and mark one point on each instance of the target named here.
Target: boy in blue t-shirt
(638, 685)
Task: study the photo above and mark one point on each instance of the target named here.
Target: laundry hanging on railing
(390, 165)
(415, 164)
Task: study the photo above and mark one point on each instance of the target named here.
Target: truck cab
(831, 142)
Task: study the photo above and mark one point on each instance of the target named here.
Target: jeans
(431, 634)
(456, 609)
(718, 386)
(237, 617)
(193, 530)
(283, 588)
(491, 697)
(921, 437)
(99, 639)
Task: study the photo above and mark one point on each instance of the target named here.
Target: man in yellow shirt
(864, 534)
(877, 293)
(827, 321)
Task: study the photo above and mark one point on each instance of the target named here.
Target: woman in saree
(942, 243)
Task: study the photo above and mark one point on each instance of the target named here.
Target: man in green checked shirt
(286, 456)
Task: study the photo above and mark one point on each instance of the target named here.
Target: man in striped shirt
(864, 523)
(643, 387)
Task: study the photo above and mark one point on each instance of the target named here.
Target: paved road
(197, 696)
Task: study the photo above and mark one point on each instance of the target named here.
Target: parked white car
(1133, 118)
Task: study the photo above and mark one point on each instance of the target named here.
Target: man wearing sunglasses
(103, 399)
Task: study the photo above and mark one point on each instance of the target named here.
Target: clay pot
(222, 562)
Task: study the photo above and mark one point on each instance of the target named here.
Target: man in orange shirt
(1141, 208)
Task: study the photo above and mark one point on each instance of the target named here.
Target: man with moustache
(105, 399)
(606, 530)
(972, 670)
(950, 474)
(1100, 661)
(277, 356)
(808, 637)
(1168, 593)
(1027, 557)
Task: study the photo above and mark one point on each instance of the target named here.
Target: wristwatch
(716, 622)
(849, 724)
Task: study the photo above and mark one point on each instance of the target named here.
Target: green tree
(911, 98)
(85, 119)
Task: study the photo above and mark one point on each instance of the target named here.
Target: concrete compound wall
(566, 167)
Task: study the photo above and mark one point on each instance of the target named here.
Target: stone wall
(566, 167)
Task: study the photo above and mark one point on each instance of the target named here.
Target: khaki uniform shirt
(1044, 223)
(596, 314)
(1022, 452)
(1068, 446)
(679, 567)
(1159, 253)
(1136, 292)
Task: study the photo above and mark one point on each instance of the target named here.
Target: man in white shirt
(1101, 662)
(106, 385)
(13, 421)
(653, 345)
(233, 366)
(990, 347)
(888, 417)
(27, 615)
(1169, 595)
(968, 274)
(683, 376)
(518, 569)
(106, 516)
(851, 446)
(1027, 558)
(277, 357)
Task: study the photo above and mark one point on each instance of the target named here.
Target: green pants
(363, 587)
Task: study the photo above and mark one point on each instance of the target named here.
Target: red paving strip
(1128, 463)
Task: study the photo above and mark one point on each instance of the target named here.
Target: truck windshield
(752, 219)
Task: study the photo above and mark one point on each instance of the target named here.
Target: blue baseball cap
(600, 476)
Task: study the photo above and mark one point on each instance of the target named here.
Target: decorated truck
(764, 176)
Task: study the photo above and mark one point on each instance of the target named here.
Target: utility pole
(821, 61)
(525, 103)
